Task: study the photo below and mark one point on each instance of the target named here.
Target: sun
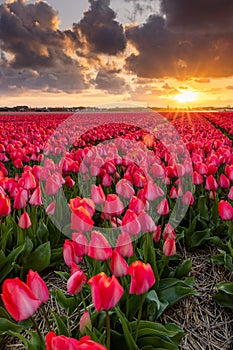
(186, 96)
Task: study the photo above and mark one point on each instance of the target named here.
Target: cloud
(202, 80)
(162, 52)
(229, 87)
(208, 16)
(102, 33)
(109, 81)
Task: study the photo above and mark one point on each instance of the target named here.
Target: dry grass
(206, 325)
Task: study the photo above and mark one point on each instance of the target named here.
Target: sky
(89, 53)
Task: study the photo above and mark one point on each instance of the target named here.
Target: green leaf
(202, 207)
(126, 330)
(61, 326)
(157, 342)
(10, 261)
(42, 232)
(67, 303)
(2, 259)
(39, 259)
(226, 287)
(199, 237)
(7, 325)
(35, 341)
(223, 299)
(183, 269)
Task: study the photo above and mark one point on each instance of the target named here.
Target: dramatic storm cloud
(102, 32)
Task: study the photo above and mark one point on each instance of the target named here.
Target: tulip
(224, 182)
(24, 221)
(146, 222)
(28, 181)
(85, 343)
(225, 210)
(69, 182)
(50, 210)
(106, 291)
(69, 255)
(130, 223)
(99, 248)
(139, 180)
(37, 286)
(61, 342)
(21, 198)
(169, 231)
(201, 168)
(157, 170)
(5, 206)
(136, 204)
(113, 205)
(156, 235)
(124, 245)
(18, 299)
(76, 282)
(52, 186)
(80, 243)
(188, 198)
(197, 178)
(211, 183)
(97, 194)
(230, 194)
(142, 277)
(118, 265)
(36, 197)
(169, 247)
(152, 191)
(163, 207)
(124, 188)
(85, 322)
(81, 220)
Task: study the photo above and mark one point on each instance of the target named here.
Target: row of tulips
(134, 189)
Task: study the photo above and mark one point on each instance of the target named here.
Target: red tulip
(37, 286)
(157, 234)
(106, 291)
(197, 178)
(225, 210)
(81, 220)
(99, 248)
(230, 194)
(28, 181)
(118, 265)
(224, 182)
(142, 277)
(130, 223)
(211, 183)
(163, 207)
(18, 299)
(61, 342)
(124, 245)
(24, 221)
(169, 231)
(76, 282)
(169, 247)
(136, 204)
(201, 168)
(21, 198)
(85, 343)
(5, 206)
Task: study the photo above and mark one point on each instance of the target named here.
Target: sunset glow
(187, 96)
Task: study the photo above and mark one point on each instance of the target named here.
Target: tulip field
(107, 202)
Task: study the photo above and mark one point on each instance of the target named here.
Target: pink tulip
(225, 210)
(113, 205)
(188, 198)
(69, 255)
(24, 221)
(97, 194)
(76, 282)
(146, 222)
(169, 232)
(118, 265)
(85, 322)
(136, 204)
(142, 277)
(61, 342)
(80, 243)
(124, 245)
(36, 197)
(169, 247)
(211, 183)
(230, 194)
(37, 286)
(224, 182)
(15, 296)
(152, 191)
(50, 210)
(163, 207)
(99, 248)
(106, 291)
(124, 188)
(130, 223)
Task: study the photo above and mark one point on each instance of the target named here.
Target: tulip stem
(78, 307)
(164, 263)
(37, 329)
(45, 317)
(83, 300)
(108, 330)
(139, 315)
(107, 265)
